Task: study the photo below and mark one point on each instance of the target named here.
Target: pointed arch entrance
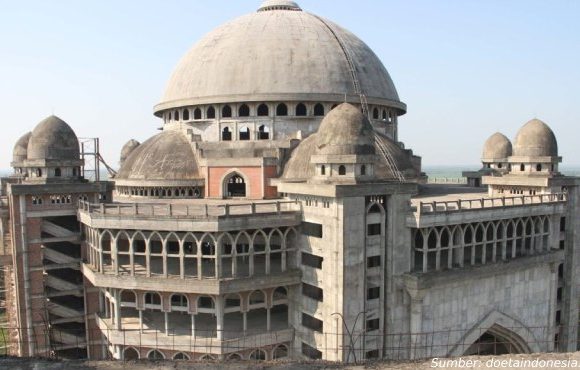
(235, 186)
(496, 333)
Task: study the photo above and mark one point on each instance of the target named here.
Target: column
(164, 256)
(268, 316)
(245, 319)
(166, 317)
(140, 321)
(148, 258)
(118, 318)
(219, 311)
(193, 325)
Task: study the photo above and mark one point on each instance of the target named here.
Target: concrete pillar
(166, 317)
(268, 317)
(131, 258)
(148, 258)
(219, 311)
(199, 265)
(571, 289)
(118, 318)
(141, 321)
(416, 318)
(164, 256)
(245, 320)
(218, 260)
(193, 325)
(181, 261)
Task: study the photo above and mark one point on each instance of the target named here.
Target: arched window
(38, 172)
(263, 132)
(319, 110)
(539, 167)
(155, 355)
(499, 165)
(186, 114)
(363, 170)
(258, 355)
(226, 111)
(236, 186)
(376, 113)
(522, 167)
(384, 115)
(281, 110)
(176, 115)
(57, 172)
(210, 112)
(244, 111)
(244, 133)
(263, 110)
(180, 356)
(341, 170)
(301, 110)
(130, 354)
(197, 113)
(323, 170)
(226, 134)
(75, 171)
(179, 302)
(152, 299)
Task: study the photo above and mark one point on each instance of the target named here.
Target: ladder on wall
(383, 149)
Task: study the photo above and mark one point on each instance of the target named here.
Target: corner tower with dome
(278, 215)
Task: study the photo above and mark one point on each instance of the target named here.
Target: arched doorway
(235, 186)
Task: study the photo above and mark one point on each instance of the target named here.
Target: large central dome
(278, 53)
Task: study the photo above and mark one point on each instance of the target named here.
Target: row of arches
(183, 315)
(193, 254)
(246, 110)
(278, 352)
(456, 246)
(244, 133)
(160, 192)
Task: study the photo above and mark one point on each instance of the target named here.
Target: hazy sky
(465, 68)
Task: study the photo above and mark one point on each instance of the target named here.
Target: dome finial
(278, 5)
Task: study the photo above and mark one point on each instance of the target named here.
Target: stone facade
(283, 218)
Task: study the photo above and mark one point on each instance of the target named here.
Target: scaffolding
(92, 159)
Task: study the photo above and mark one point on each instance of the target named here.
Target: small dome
(128, 148)
(20, 152)
(278, 5)
(53, 139)
(165, 156)
(346, 131)
(497, 147)
(535, 139)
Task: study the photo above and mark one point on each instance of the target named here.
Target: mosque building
(278, 215)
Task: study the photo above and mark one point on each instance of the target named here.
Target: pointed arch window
(263, 110)
(282, 110)
(244, 111)
(226, 111)
(319, 110)
(210, 112)
(301, 110)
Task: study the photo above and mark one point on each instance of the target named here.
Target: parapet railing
(498, 202)
(188, 210)
(447, 180)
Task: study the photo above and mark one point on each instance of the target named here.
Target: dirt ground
(532, 361)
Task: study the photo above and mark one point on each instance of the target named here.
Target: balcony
(187, 215)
